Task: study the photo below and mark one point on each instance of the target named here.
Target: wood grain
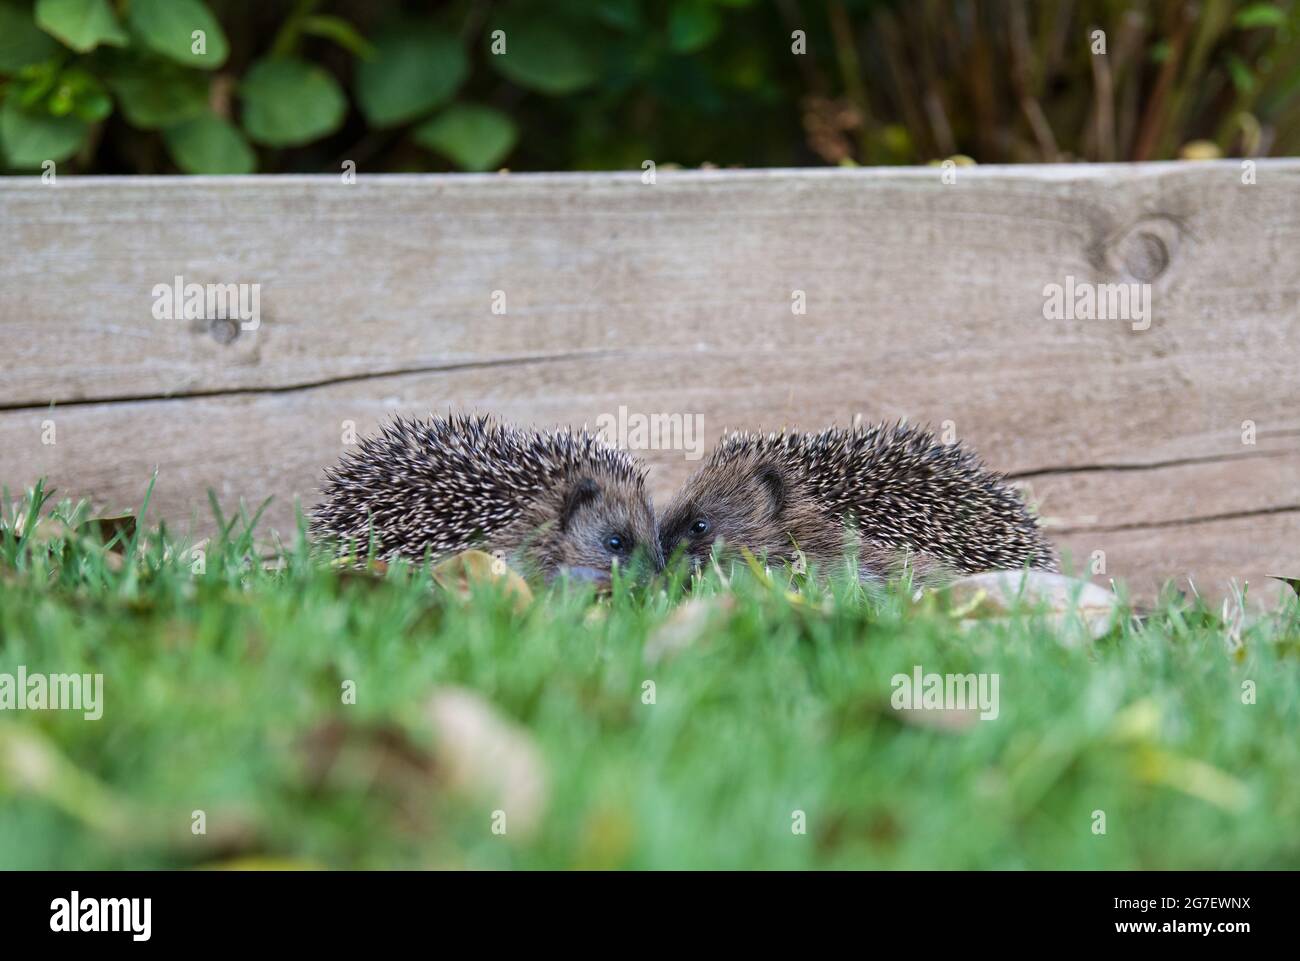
(924, 301)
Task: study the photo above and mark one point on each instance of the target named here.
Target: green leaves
(341, 32)
(153, 98)
(209, 145)
(181, 30)
(78, 93)
(21, 42)
(415, 68)
(412, 70)
(619, 14)
(51, 88)
(475, 138)
(1242, 77)
(1260, 15)
(81, 24)
(545, 54)
(30, 138)
(692, 24)
(288, 102)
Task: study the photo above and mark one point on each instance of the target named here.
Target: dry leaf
(458, 574)
(46, 529)
(476, 754)
(1293, 582)
(1200, 150)
(106, 528)
(1191, 776)
(30, 763)
(689, 622)
(341, 755)
(1064, 600)
(379, 760)
(351, 568)
(946, 720)
(486, 756)
(95, 531)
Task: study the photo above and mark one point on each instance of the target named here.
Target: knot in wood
(224, 330)
(1145, 250)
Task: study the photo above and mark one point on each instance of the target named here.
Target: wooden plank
(397, 273)
(1182, 492)
(1202, 558)
(925, 301)
(1152, 523)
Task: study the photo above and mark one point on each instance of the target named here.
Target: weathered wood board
(1174, 450)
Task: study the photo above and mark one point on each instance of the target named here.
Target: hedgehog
(888, 494)
(546, 501)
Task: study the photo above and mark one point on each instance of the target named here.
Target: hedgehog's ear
(771, 483)
(582, 492)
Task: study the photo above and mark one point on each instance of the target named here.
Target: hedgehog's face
(601, 522)
(729, 505)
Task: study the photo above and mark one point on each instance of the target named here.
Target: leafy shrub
(227, 86)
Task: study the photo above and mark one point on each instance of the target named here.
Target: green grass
(222, 693)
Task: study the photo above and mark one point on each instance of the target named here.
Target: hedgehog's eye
(700, 527)
(615, 544)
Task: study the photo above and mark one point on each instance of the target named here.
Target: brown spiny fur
(887, 494)
(548, 500)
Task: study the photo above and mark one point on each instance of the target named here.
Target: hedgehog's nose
(583, 574)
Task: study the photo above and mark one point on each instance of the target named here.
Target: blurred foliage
(225, 672)
(230, 86)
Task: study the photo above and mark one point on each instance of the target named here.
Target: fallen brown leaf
(489, 757)
(108, 527)
(460, 573)
(685, 626)
(1063, 600)
(1293, 582)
